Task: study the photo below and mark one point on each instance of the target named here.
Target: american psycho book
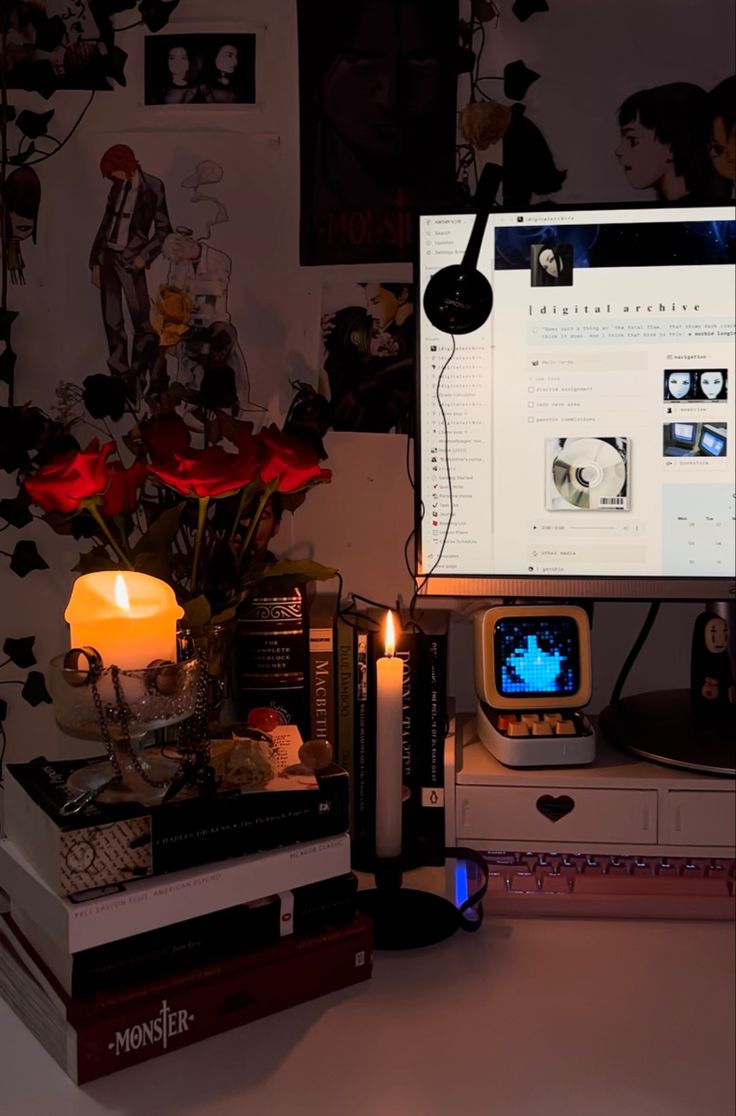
(185, 945)
(91, 1038)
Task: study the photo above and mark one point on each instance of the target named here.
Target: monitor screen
(542, 470)
(713, 442)
(684, 433)
(536, 657)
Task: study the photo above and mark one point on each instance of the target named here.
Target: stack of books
(128, 931)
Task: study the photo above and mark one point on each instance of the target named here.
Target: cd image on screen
(536, 656)
(586, 474)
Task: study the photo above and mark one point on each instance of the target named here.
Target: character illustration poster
(377, 88)
(161, 235)
(367, 366)
(609, 102)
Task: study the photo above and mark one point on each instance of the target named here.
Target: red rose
(207, 473)
(75, 476)
(288, 463)
(123, 488)
(165, 435)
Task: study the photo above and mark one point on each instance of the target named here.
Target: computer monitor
(683, 433)
(712, 442)
(542, 470)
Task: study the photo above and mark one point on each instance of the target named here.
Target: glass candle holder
(120, 708)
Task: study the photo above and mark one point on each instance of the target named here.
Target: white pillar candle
(129, 618)
(389, 685)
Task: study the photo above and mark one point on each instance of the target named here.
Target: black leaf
(3, 710)
(34, 689)
(523, 9)
(26, 558)
(156, 13)
(465, 60)
(217, 390)
(309, 417)
(20, 651)
(114, 64)
(16, 511)
(34, 124)
(7, 317)
(83, 526)
(111, 7)
(23, 156)
(22, 429)
(55, 446)
(49, 33)
(7, 114)
(105, 396)
(7, 365)
(39, 77)
(101, 10)
(517, 79)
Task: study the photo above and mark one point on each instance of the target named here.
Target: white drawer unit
(555, 814)
(694, 818)
(620, 804)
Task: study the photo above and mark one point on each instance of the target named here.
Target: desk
(526, 1017)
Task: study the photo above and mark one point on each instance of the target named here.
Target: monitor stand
(663, 727)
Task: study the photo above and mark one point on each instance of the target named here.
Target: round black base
(404, 918)
(662, 727)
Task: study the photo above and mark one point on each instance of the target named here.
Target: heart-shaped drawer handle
(555, 807)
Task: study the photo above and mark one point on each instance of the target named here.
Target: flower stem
(92, 508)
(267, 494)
(245, 494)
(203, 501)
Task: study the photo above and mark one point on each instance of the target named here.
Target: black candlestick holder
(406, 918)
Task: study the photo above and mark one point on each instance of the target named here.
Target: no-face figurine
(711, 677)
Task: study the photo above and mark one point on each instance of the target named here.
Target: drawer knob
(555, 807)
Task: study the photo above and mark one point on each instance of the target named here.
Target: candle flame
(390, 637)
(122, 599)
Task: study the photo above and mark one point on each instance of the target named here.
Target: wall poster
(377, 86)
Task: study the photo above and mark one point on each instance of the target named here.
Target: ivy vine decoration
(27, 437)
(528, 164)
(40, 54)
(19, 653)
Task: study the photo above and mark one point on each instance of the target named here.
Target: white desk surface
(560, 1017)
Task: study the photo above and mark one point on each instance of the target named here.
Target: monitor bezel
(511, 586)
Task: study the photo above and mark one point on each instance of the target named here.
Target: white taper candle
(389, 685)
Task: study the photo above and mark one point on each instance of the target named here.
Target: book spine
(181, 835)
(271, 657)
(322, 683)
(179, 1013)
(365, 753)
(344, 701)
(197, 942)
(185, 1016)
(408, 650)
(248, 823)
(431, 822)
(136, 908)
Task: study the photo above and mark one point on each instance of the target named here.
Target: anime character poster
(166, 239)
(377, 88)
(622, 102)
(367, 365)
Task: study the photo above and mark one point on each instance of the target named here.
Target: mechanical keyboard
(548, 884)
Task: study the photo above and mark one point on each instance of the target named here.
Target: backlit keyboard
(545, 884)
